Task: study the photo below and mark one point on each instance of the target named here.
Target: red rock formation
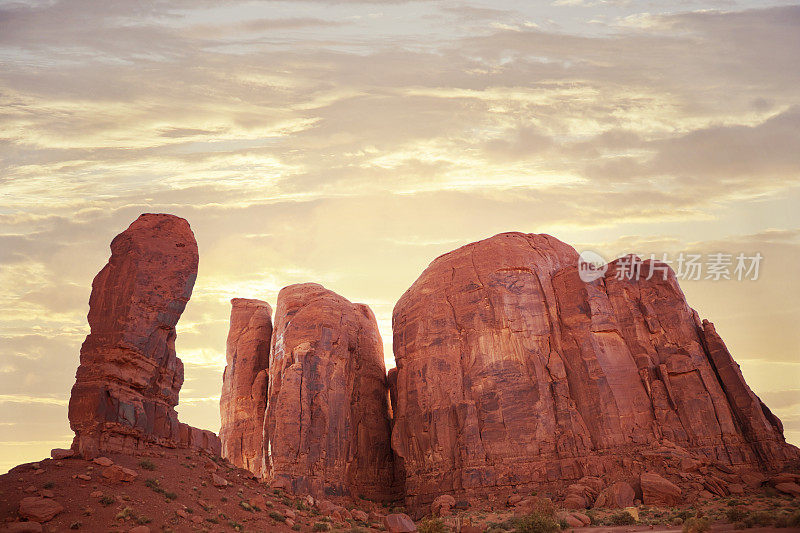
(327, 424)
(244, 384)
(512, 371)
(127, 384)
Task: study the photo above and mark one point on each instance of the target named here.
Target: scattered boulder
(59, 454)
(360, 515)
(569, 519)
(585, 520)
(792, 489)
(399, 523)
(119, 474)
(619, 494)
(103, 461)
(658, 491)
(441, 505)
(218, 481)
(23, 527)
(39, 509)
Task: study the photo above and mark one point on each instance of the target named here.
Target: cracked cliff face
(513, 371)
(327, 426)
(128, 381)
(244, 383)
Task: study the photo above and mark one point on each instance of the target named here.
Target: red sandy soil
(186, 480)
(174, 491)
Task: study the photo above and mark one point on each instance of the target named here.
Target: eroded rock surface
(327, 421)
(512, 371)
(244, 383)
(129, 377)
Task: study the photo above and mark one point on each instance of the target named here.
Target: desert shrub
(105, 501)
(537, 522)
(621, 518)
(147, 464)
(300, 505)
(321, 526)
(433, 525)
(49, 485)
(759, 518)
(170, 495)
(275, 515)
(246, 506)
(296, 527)
(735, 514)
(696, 525)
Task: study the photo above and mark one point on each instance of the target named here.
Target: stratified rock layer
(512, 371)
(244, 384)
(327, 427)
(129, 377)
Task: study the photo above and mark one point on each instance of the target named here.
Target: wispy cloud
(350, 143)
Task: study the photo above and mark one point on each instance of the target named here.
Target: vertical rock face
(327, 422)
(127, 384)
(511, 371)
(244, 383)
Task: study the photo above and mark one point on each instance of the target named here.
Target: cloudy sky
(351, 142)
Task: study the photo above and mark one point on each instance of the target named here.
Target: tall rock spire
(244, 384)
(127, 384)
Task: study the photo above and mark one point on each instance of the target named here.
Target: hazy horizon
(350, 143)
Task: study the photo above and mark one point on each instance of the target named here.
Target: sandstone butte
(126, 387)
(244, 383)
(513, 374)
(327, 425)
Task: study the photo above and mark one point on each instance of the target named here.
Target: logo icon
(591, 266)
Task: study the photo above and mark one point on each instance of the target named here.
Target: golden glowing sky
(351, 142)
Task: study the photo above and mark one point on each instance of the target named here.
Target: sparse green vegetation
(147, 464)
(433, 525)
(321, 526)
(621, 518)
(537, 522)
(735, 514)
(107, 500)
(696, 525)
